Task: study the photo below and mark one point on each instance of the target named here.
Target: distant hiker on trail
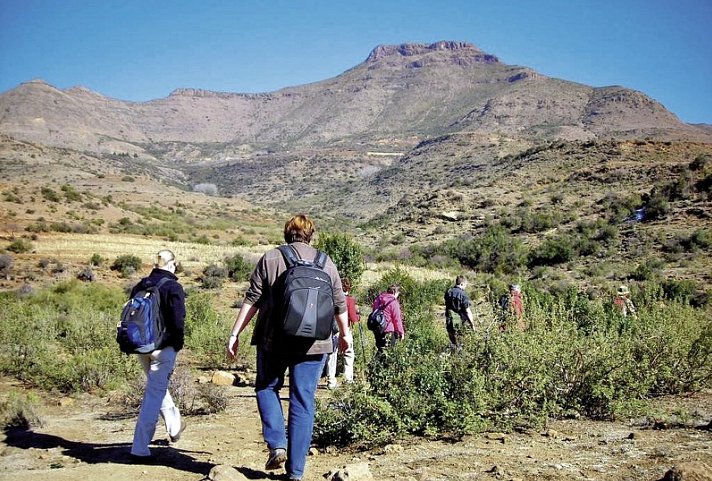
(394, 329)
(458, 302)
(158, 365)
(279, 349)
(349, 355)
(512, 308)
(622, 302)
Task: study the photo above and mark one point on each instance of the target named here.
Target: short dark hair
(460, 280)
(346, 284)
(393, 289)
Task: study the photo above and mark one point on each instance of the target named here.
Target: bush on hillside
(238, 269)
(6, 263)
(63, 338)
(20, 246)
(495, 251)
(127, 264)
(213, 276)
(345, 252)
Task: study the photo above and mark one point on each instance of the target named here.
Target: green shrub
(656, 206)
(495, 251)
(554, 250)
(64, 338)
(20, 246)
(206, 330)
(6, 263)
(648, 270)
(127, 264)
(71, 194)
(213, 276)
(96, 260)
(346, 254)
(238, 269)
(616, 208)
(700, 162)
(49, 194)
(240, 242)
(20, 410)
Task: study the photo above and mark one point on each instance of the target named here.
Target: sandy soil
(89, 438)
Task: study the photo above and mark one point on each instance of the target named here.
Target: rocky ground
(88, 437)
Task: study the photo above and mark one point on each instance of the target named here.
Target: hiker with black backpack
(458, 302)
(391, 329)
(296, 291)
(158, 353)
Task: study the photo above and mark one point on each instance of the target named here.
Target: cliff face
(400, 95)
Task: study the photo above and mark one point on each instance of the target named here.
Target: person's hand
(232, 346)
(345, 341)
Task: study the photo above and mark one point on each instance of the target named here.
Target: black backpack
(141, 329)
(307, 304)
(377, 321)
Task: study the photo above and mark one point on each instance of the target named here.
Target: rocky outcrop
(418, 49)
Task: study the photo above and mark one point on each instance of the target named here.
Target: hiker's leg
(381, 341)
(169, 410)
(349, 358)
(331, 368)
(270, 378)
(303, 380)
(452, 334)
(159, 367)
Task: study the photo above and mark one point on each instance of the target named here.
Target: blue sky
(143, 49)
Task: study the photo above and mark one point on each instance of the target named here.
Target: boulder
(351, 472)
(222, 472)
(222, 378)
(689, 471)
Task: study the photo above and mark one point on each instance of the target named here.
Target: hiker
(277, 352)
(158, 365)
(349, 355)
(394, 331)
(622, 302)
(512, 307)
(458, 302)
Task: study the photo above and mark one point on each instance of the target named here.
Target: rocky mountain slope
(433, 141)
(399, 96)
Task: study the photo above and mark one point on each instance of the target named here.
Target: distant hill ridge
(399, 96)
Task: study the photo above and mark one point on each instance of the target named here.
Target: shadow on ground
(112, 453)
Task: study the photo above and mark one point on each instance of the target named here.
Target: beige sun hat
(623, 290)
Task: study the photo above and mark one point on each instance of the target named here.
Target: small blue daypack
(141, 329)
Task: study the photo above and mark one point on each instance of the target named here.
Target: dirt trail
(89, 439)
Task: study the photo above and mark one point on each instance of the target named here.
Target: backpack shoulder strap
(320, 259)
(288, 252)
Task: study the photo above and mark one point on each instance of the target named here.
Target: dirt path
(89, 439)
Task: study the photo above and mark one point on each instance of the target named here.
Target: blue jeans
(304, 374)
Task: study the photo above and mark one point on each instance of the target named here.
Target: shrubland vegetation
(578, 358)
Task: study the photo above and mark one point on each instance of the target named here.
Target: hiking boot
(176, 437)
(276, 459)
(332, 385)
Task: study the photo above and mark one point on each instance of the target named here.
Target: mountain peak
(413, 49)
